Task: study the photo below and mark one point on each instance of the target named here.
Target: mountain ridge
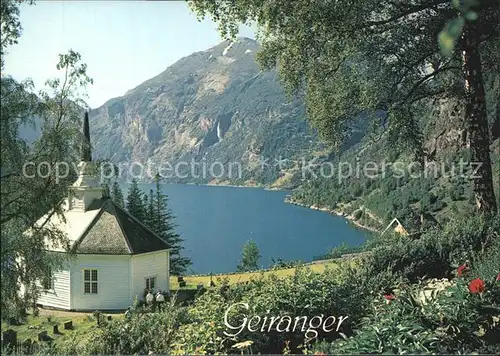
(215, 105)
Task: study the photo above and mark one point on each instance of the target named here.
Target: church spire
(86, 148)
(87, 188)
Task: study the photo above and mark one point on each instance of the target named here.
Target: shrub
(431, 317)
(436, 253)
(487, 265)
(140, 334)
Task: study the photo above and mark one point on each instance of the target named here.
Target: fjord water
(216, 221)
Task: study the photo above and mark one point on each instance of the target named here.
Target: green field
(233, 278)
(82, 324)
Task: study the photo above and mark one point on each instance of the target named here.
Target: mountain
(211, 106)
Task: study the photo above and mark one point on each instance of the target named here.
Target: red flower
(389, 296)
(476, 286)
(461, 270)
(498, 277)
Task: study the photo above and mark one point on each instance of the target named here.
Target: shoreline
(350, 218)
(221, 184)
(264, 187)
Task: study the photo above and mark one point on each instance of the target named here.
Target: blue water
(216, 221)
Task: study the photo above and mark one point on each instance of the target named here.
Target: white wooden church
(116, 258)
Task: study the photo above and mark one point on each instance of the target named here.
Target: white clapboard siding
(113, 282)
(59, 296)
(152, 264)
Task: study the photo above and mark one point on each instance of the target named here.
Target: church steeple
(86, 188)
(86, 148)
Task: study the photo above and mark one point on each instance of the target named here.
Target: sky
(123, 43)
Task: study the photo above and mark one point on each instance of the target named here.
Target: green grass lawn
(193, 281)
(82, 325)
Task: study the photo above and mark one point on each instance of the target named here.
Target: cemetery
(51, 326)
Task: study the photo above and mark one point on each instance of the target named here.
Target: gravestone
(9, 338)
(42, 336)
(110, 317)
(68, 325)
(27, 347)
(97, 315)
(34, 347)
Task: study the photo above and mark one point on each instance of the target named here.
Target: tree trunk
(477, 121)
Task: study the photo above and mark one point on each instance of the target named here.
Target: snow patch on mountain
(227, 48)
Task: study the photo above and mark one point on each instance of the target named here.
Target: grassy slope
(193, 281)
(82, 325)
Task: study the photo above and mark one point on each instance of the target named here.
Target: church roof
(116, 232)
(105, 229)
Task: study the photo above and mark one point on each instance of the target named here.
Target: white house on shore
(116, 258)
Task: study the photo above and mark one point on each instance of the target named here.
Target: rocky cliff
(212, 106)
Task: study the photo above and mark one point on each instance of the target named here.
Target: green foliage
(340, 55)
(436, 253)
(487, 264)
(10, 25)
(135, 201)
(345, 249)
(138, 334)
(27, 192)
(161, 222)
(249, 257)
(393, 193)
(117, 195)
(449, 35)
(358, 214)
(279, 263)
(253, 109)
(436, 316)
(153, 211)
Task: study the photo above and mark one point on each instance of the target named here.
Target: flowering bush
(434, 316)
